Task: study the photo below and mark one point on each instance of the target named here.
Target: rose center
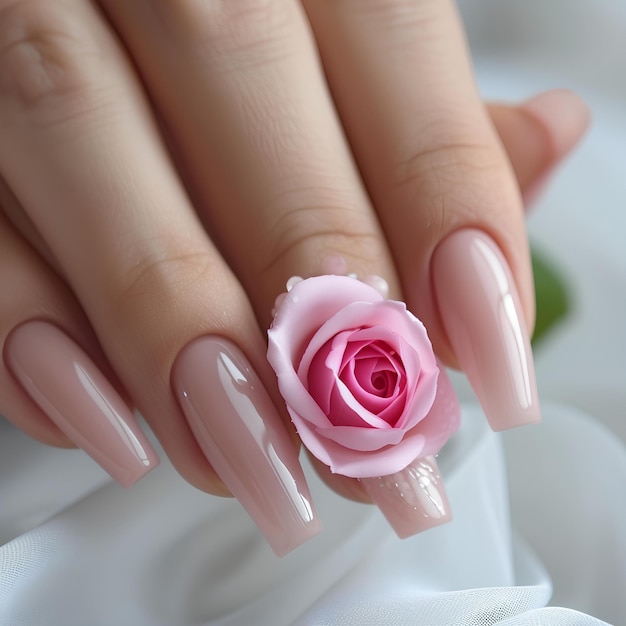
(376, 376)
(379, 382)
(384, 383)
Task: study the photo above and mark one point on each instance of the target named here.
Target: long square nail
(68, 387)
(482, 315)
(244, 439)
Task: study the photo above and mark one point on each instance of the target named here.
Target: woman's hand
(168, 165)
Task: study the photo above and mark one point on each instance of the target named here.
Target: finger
(16, 265)
(556, 119)
(434, 166)
(23, 224)
(535, 143)
(49, 386)
(166, 309)
(258, 138)
(536, 136)
(12, 210)
(259, 141)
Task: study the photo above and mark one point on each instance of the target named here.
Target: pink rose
(359, 377)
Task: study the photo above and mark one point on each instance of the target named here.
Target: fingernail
(412, 500)
(482, 315)
(68, 387)
(244, 439)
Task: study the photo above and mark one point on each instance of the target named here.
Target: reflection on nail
(242, 436)
(412, 500)
(68, 387)
(480, 309)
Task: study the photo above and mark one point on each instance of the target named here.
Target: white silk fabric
(538, 535)
(91, 553)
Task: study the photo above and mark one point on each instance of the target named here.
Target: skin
(155, 130)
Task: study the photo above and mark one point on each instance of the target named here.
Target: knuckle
(159, 282)
(450, 177)
(42, 58)
(312, 231)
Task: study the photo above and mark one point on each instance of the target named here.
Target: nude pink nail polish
(68, 387)
(244, 439)
(482, 315)
(412, 500)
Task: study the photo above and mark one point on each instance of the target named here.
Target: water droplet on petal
(294, 280)
(378, 283)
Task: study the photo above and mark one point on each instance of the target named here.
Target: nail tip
(290, 543)
(424, 525)
(490, 338)
(527, 418)
(412, 500)
(134, 477)
(67, 385)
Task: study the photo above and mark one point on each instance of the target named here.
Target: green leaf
(553, 302)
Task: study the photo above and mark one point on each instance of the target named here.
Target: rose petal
(359, 464)
(394, 314)
(444, 417)
(359, 379)
(346, 409)
(395, 410)
(308, 305)
(378, 463)
(323, 373)
(387, 461)
(355, 316)
(341, 414)
(389, 408)
(410, 340)
(424, 440)
(361, 389)
(335, 357)
(377, 357)
(353, 347)
(345, 401)
(361, 366)
(360, 373)
(422, 408)
(374, 321)
(382, 339)
(423, 371)
(421, 394)
(362, 439)
(293, 391)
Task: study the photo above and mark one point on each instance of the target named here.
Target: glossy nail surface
(482, 315)
(412, 500)
(242, 436)
(68, 387)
